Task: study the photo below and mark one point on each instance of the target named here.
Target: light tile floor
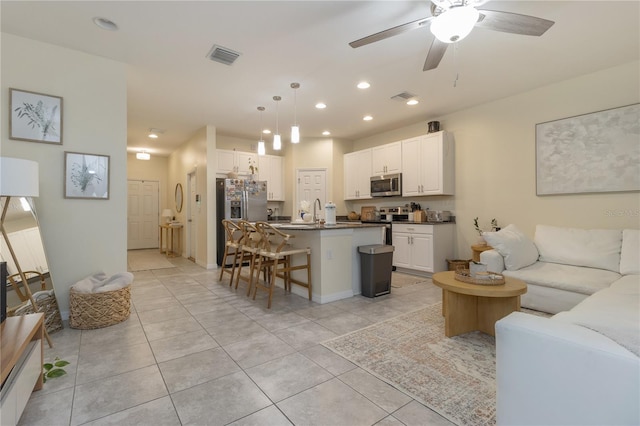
(198, 352)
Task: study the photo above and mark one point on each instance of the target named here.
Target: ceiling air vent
(222, 55)
(403, 97)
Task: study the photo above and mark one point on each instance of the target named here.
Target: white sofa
(562, 266)
(582, 366)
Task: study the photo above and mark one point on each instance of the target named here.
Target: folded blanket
(100, 283)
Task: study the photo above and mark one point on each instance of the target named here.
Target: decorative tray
(481, 278)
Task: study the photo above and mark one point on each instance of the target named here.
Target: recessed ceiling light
(326, 133)
(155, 133)
(413, 102)
(363, 85)
(321, 105)
(105, 24)
(266, 131)
(367, 118)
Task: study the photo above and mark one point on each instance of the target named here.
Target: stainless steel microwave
(386, 185)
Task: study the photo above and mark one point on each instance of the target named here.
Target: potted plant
(253, 168)
(493, 227)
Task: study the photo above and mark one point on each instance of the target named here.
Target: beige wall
(313, 154)
(193, 156)
(81, 237)
(495, 157)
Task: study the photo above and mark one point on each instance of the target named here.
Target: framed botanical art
(589, 153)
(35, 117)
(86, 176)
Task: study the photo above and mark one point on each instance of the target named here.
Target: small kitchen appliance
(386, 185)
(438, 216)
(329, 213)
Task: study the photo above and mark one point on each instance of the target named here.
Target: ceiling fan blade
(436, 52)
(391, 32)
(513, 23)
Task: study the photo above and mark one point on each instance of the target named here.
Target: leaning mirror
(179, 197)
(23, 232)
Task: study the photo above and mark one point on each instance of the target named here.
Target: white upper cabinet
(428, 165)
(386, 159)
(357, 174)
(235, 161)
(271, 169)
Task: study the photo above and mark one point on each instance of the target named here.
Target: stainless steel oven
(386, 185)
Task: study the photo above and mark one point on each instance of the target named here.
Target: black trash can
(376, 263)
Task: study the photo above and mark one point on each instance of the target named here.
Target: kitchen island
(335, 262)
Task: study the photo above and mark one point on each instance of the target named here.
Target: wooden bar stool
(249, 248)
(233, 235)
(275, 255)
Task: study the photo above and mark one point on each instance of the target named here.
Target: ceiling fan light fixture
(455, 23)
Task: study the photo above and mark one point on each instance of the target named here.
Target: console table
(170, 240)
(22, 358)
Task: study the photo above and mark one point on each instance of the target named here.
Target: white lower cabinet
(424, 248)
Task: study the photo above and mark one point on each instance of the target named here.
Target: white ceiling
(173, 86)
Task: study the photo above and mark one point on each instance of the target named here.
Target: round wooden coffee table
(468, 307)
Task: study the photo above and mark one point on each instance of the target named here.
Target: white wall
(81, 237)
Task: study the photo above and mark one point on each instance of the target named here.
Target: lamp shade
(167, 213)
(455, 24)
(18, 178)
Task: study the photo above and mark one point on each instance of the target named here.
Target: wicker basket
(456, 264)
(48, 305)
(97, 310)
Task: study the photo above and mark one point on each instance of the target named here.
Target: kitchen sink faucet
(315, 215)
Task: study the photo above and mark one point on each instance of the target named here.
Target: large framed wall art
(35, 117)
(86, 176)
(590, 153)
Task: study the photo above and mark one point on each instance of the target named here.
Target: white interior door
(312, 185)
(142, 214)
(192, 224)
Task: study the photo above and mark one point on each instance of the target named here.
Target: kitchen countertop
(317, 227)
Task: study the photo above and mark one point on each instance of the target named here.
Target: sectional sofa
(582, 365)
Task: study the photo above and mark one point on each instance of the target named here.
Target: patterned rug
(453, 376)
(144, 260)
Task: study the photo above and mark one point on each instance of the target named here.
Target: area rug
(454, 377)
(399, 280)
(145, 260)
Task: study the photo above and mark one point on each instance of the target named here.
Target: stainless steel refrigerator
(238, 199)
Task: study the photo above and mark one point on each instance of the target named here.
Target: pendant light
(295, 129)
(261, 147)
(277, 142)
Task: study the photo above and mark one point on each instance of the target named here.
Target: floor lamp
(18, 178)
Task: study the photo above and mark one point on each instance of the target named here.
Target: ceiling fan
(453, 20)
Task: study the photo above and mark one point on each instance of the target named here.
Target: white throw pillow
(630, 255)
(516, 248)
(593, 248)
